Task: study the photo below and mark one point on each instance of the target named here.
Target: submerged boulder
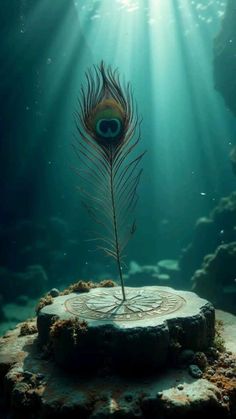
(216, 279)
(210, 232)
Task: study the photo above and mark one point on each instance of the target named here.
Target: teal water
(165, 49)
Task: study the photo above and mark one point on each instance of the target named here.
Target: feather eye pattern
(108, 128)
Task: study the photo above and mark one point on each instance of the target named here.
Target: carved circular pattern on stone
(139, 304)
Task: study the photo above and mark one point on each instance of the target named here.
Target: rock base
(97, 329)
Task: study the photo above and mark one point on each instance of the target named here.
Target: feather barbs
(109, 131)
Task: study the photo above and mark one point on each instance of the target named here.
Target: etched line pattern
(139, 305)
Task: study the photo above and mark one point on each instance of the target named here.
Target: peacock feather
(109, 130)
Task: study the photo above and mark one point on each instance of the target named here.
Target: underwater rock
(154, 320)
(217, 271)
(205, 239)
(54, 292)
(36, 387)
(28, 328)
(200, 360)
(224, 216)
(217, 229)
(195, 371)
(224, 57)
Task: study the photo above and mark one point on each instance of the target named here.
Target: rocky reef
(209, 233)
(208, 263)
(216, 279)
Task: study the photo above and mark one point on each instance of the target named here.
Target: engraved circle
(109, 305)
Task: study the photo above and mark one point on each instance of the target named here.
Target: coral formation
(176, 343)
(224, 217)
(222, 373)
(28, 328)
(210, 232)
(80, 286)
(74, 326)
(215, 280)
(85, 286)
(219, 343)
(44, 301)
(107, 283)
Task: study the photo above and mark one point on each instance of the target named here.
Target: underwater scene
(118, 210)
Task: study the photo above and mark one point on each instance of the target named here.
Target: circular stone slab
(139, 333)
(108, 304)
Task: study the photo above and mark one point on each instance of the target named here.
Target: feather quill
(108, 132)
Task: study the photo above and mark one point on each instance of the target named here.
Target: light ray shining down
(165, 47)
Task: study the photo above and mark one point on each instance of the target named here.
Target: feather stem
(118, 254)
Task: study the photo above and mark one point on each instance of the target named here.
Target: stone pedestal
(97, 329)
